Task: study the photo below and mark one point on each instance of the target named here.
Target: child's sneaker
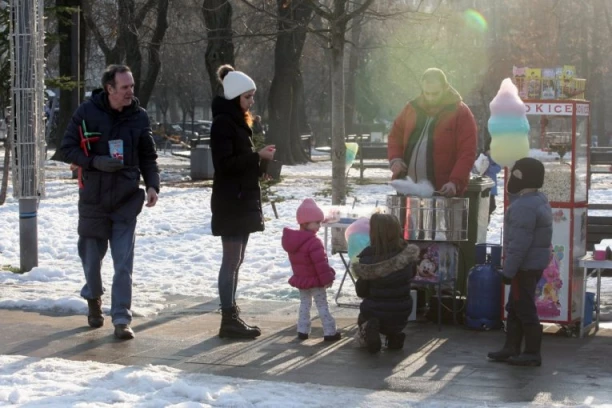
(333, 337)
(302, 336)
(372, 335)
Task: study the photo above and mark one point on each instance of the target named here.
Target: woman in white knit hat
(236, 194)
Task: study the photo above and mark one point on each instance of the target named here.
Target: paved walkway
(448, 364)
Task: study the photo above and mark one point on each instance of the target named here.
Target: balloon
(508, 125)
(351, 153)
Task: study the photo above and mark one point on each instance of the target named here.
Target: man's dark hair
(108, 78)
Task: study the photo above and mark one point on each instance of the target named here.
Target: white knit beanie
(236, 83)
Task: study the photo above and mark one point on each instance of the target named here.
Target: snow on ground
(175, 255)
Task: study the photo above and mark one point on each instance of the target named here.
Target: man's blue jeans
(233, 255)
(92, 251)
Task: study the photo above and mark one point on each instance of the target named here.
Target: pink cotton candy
(361, 226)
(507, 101)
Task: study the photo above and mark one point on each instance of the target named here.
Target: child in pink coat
(312, 274)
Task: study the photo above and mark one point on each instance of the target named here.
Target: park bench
(600, 161)
(307, 144)
(369, 156)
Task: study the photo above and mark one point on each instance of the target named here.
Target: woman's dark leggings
(233, 255)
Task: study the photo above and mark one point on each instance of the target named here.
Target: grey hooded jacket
(527, 233)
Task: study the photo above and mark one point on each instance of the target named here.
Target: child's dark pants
(521, 304)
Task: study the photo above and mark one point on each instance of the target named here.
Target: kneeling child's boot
(512, 347)
(533, 342)
(396, 341)
(371, 333)
(232, 326)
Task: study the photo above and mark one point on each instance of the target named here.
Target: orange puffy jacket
(455, 139)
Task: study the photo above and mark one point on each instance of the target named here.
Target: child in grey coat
(527, 243)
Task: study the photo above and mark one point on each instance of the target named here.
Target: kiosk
(562, 128)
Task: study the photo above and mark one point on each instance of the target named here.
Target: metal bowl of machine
(431, 219)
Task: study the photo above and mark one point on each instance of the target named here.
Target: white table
(587, 262)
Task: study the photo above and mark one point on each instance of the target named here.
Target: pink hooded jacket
(308, 259)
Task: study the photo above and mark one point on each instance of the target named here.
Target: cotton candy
(357, 238)
(508, 125)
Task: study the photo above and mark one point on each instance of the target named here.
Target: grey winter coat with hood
(527, 233)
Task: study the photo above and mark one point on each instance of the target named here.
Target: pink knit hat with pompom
(309, 211)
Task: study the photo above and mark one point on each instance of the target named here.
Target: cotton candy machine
(431, 219)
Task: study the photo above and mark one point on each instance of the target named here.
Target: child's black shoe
(333, 337)
(302, 336)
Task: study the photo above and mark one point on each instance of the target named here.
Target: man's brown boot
(95, 318)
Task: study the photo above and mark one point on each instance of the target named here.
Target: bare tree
(220, 47)
(338, 18)
(130, 40)
(286, 100)
(72, 39)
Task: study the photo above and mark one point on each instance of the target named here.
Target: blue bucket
(589, 308)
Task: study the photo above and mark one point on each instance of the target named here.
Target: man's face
(122, 94)
(433, 91)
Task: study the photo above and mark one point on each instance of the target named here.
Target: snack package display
(520, 80)
(548, 83)
(534, 83)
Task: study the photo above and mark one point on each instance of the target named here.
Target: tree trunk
(353, 67)
(286, 108)
(127, 49)
(154, 63)
(130, 45)
(598, 100)
(220, 48)
(5, 170)
(338, 152)
(69, 98)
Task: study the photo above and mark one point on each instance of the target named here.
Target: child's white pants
(320, 298)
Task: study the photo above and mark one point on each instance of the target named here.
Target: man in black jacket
(109, 138)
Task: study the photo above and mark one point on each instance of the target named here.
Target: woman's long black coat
(236, 194)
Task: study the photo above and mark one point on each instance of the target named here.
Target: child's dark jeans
(521, 304)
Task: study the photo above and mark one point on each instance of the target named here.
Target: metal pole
(27, 87)
(28, 233)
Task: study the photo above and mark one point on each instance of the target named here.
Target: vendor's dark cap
(526, 173)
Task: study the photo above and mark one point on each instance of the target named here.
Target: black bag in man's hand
(108, 164)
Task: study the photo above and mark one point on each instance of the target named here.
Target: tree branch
(95, 30)
(142, 13)
(359, 10)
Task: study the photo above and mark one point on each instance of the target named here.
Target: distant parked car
(202, 127)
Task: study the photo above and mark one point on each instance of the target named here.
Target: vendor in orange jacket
(434, 137)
